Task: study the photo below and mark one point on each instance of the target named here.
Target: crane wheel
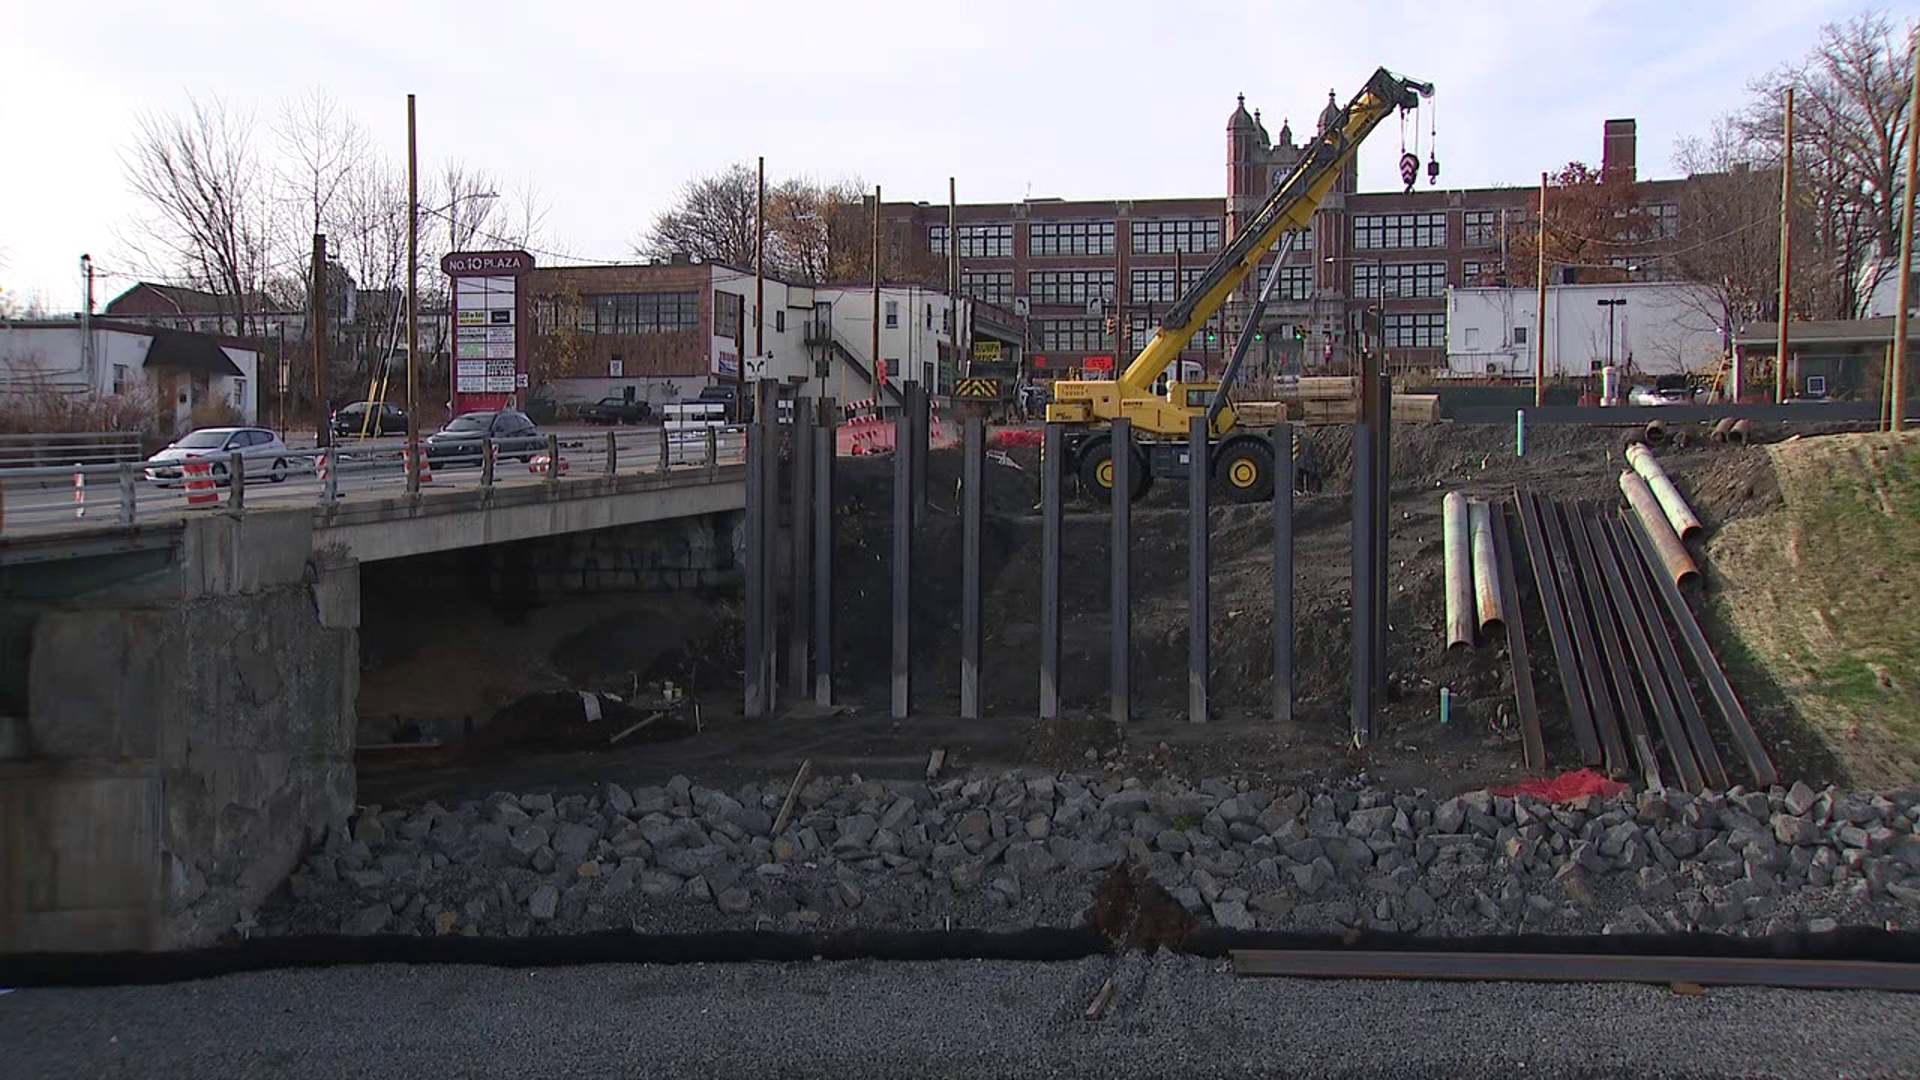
(1096, 470)
(1243, 471)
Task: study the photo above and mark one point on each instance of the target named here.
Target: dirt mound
(1819, 586)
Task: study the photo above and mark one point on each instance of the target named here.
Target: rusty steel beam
(1546, 583)
(1643, 626)
(1674, 559)
(1646, 673)
(1532, 742)
(1713, 772)
(1764, 774)
(1576, 968)
(1607, 629)
(1579, 603)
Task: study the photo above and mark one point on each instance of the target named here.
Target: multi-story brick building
(1069, 264)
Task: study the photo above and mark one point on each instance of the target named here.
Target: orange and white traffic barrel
(200, 486)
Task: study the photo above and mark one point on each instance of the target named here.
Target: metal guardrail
(85, 448)
(62, 497)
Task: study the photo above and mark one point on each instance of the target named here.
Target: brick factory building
(1070, 264)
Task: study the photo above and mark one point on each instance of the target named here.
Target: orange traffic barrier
(200, 486)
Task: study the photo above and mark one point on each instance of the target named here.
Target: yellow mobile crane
(1242, 460)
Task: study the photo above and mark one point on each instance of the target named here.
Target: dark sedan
(460, 442)
(616, 410)
(351, 421)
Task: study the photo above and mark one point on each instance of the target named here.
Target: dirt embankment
(1823, 590)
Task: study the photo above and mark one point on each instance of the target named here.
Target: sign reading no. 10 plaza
(489, 329)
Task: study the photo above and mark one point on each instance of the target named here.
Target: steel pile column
(903, 500)
(755, 705)
(1361, 720)
(1052, 450)
(767, 413)
(922, 440)
(800, 606)
(825, 458)
(972, 504)
(1382, 500)
(1199, 556)
(1283, 481)
(1120, 559)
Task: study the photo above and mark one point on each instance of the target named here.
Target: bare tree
(197, 177)
(1850, 121)
(462, 200)
(819, 232)
(713, 222)
(1594, 220)
(319, 147)
(521, 220)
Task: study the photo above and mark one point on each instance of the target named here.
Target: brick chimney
(1617, 149)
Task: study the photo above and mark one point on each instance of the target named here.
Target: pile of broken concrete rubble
(1019, 850)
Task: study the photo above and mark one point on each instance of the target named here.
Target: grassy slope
(1825, 594)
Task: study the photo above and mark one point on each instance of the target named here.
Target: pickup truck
(616, 410)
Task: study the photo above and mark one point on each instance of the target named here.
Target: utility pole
(1786, 254)
(86, 325)
(1540, 314)
(760, 263)
(317, 330)
(953, 277)
(1897, 419)
(413, 306)
(874, 360)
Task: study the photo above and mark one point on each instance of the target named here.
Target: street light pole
(1610, 305)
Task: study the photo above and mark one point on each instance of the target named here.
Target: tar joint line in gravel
(1171, 1017)
(1028, 849)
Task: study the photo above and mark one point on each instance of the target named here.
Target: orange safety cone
(426, 467)
(200, 486)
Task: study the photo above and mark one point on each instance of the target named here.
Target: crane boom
(1290, 207)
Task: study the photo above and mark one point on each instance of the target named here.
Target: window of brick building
(1416, 329)
(1482, 228)
(1187, 235)
(992, 286)
(1069, 286)
(1070, 238)
(1072, 335)
(1155, 285)
(1400, 230)
(1403, 279)
(976, 241)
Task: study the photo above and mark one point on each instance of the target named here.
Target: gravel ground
(1171, 1017)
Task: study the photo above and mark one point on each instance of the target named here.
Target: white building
(179, 368)
(1653, 327)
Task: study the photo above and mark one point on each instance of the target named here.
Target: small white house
(1653, 327)
(180, 368)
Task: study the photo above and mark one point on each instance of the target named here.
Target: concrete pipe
(1673, 554)
(1719, 432)
(1679, 514)
(1457, 546)
(1486, 574)
(1740, 433)
(1656, 432)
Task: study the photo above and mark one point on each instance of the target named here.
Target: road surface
(1170, 1018)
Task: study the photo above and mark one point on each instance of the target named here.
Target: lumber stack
(1259, 413)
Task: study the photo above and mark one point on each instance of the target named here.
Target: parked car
(350, 420)
(462, 439)
(616, 410)
(1666, 390)
(265, 455)
(725, 395)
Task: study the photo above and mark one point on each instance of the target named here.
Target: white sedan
(265, 455)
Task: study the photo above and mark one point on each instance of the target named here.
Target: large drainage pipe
(1740, 433)
(1720, 428)
(1486, 574)
(1679, 514)
(1673, 554)
(1456, 547)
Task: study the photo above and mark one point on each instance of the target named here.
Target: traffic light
(1112, 325)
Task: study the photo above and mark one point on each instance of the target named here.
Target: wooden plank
(1571, 967)
(793, 792)
(1533, 743)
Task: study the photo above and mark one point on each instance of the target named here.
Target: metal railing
(85, 448)
(82, 494)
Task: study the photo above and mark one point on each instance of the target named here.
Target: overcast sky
(608, 107)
